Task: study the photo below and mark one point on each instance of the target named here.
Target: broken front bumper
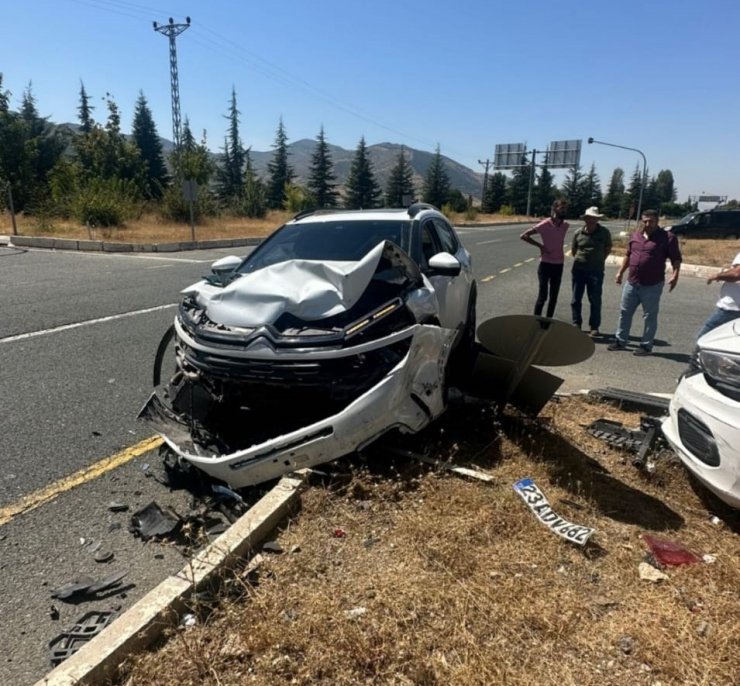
(408, 398)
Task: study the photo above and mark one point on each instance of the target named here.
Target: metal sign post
(190, 193)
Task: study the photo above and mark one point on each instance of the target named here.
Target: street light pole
(644, 169)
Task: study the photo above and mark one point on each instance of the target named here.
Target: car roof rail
(417, 207)
(326, 210)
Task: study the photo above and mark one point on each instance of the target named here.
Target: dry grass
(712, 252)
(444, 581)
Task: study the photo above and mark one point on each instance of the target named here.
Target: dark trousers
(549, 276)
(592, 283)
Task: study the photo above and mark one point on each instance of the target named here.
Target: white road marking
(126, 255)
(493, 240)
(89, 322)
(529, 259)
(519, 264)
(503, 271)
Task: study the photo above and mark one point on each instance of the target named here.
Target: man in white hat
(590, 247)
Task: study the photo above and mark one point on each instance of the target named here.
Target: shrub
(297, 199)
(471, 213)
(105, 202)
(176, 208)
(506, 210)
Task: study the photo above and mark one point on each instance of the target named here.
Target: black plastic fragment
(153, 520)
(87, 627)
(640, 401)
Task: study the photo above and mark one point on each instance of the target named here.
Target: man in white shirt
(728, 305)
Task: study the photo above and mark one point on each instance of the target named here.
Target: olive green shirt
(590, 250)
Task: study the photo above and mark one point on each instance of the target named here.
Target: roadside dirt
(395, 573)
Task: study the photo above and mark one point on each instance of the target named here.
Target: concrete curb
(698, 270)
(112, 246)
(145, 621)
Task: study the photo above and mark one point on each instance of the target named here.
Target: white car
(704, 423)
(340, 326)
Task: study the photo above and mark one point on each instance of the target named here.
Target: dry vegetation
(151, 228)
(395, 574)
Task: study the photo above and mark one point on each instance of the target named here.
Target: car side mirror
(223, 268)
(444, 264)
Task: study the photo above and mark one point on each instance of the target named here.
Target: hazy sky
(660, 76)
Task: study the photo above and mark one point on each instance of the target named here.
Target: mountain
(383, 156)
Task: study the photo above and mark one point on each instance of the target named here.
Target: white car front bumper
(704, 430)
(408, 398)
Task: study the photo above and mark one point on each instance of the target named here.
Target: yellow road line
(530, 259)
(503, 271)
(44, 495)
(485, 279)
(519, 264)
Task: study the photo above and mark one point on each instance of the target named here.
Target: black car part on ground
(639, 441)
(86, 628)
(632, 399)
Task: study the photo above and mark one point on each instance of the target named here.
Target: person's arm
(625, 263)
(608, 246)
(527, 238)
(674, 254)
(732, 275)
(574, 244)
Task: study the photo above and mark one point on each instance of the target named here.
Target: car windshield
(345, 241)
(687, 219)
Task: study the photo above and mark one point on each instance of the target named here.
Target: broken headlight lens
(722, 371)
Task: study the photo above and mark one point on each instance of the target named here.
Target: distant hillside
(383, 156)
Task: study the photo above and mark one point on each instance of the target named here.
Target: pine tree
(632, 196)
(321, 175)
(496, 191)
(280, 173)
(436, 181)
(591, 192)
(230, 175)
(518, 187)
(85, 111)
(543, 193)
(400, 184)
(363, 191)
(666, 189)
(574, 191)
(146, 139)
(253, 203)
(612, 204)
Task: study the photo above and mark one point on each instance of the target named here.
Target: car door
(452, 291)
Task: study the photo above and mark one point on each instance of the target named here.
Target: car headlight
(723, 369)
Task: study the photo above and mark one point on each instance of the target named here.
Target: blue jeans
(717, 318)
(591, 282)
(632, 296)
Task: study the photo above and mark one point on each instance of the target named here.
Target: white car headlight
(724, 368)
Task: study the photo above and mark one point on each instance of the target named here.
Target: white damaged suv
(340, 326)
(704, 422)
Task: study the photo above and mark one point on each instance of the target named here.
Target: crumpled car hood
(309, 289)
(725, 338)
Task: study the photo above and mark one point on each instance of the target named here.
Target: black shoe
(642, 351)
(616, 346)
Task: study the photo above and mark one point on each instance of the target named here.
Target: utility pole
(531, 181)
(172, 31)
(486, 164)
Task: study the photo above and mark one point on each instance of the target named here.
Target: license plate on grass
(536, 501)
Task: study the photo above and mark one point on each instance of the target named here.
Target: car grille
(697, 438)
(338, 379)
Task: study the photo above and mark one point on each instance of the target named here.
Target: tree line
(100, 177)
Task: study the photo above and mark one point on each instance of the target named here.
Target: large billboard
(563, 154)
(509, 155)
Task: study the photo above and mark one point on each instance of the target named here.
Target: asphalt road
(77, 339)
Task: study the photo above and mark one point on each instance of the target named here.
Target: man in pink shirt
(550, 272)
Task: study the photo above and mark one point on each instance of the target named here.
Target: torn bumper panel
(408, 397)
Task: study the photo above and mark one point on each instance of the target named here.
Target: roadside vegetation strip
(88, 322)
(48, 493)
(97, 661)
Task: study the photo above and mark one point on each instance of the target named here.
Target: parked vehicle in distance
(703, 426)
(709, 224)
(340, 326)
